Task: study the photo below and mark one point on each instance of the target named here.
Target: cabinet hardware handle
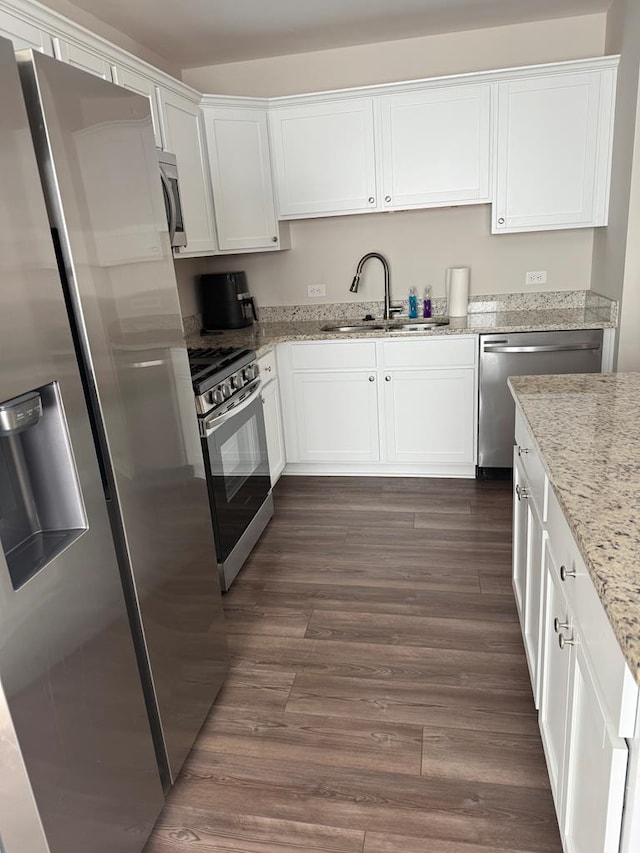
(565, 641)
(372, 379)
(521, 492)
(371, 199)
(501, 221)
(565, 573)
(274, 239)
(387, 379)
(268, 369)
(387, 198)
(522, 450)
(560, 626)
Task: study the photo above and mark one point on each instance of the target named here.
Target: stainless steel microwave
(172, 203)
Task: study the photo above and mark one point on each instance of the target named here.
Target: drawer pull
(268, 369)
(565, 641)
(372, 379)
(566, 573)
(560, 626)
(521, 492)
(387, 379)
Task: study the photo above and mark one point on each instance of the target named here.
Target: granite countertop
(262, 336)
(587, 429)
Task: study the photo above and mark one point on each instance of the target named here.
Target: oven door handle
(210, 424)
(173, 215)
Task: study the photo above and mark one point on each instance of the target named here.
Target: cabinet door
(520, 512)
(324, 158)
(144, 86)
(596, 768)
(336, 416)
(556, 670)
(83, 58)
(435, 146)
(238, 148)
(273, 427)
(182, 134)
(553, 151)
(23, 34)
(533, 603)
(429, 416)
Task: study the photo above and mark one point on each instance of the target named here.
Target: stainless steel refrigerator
(99, 453)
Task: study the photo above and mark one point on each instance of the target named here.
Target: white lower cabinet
(380, 406)
(588, 698)
(272, 415)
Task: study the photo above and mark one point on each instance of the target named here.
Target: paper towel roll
(457, 284)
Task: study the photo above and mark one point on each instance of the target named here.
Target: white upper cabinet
(182, 134)
(83, 58)
(240, 164)
(436, 146)
(144, 86)
(324, 157)
(24, 34)
(553, 157)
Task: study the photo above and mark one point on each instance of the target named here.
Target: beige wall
(90, 22)
(419, 245)
(616, 261)
(428, 56)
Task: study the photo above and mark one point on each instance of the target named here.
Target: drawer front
(333, 355)
(617, 690)
(442, 352)
(533, 467)
(267, 366)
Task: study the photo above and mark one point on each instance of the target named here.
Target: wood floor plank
(418, 704)
(495, 582)
(343, 516)
(266, 620)
(489, 815)
(331, 741)
(376, 842)
(365, 501)
(456, 540)
(429, 632)
(476, 522)
(484, 757)
(256, 689)
(212, 830)
(376, 599)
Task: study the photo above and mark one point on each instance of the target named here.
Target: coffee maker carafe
(225, 301)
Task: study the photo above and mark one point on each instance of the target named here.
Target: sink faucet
(388, 307)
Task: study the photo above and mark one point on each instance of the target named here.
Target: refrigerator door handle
(499, 348)
(173, 216)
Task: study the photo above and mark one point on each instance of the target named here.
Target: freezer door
(99, 164)
(67, 662)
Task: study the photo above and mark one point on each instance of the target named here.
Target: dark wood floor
(379, 700)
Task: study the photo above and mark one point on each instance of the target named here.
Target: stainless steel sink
(370, 327)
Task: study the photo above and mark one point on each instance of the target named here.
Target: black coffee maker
(225, 301)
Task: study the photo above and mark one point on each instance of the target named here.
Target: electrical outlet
(316, 290)
(539, 277)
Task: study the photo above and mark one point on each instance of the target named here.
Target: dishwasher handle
(505, 348)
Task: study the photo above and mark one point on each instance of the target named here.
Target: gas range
(221, 377)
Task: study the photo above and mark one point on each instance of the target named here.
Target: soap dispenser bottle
(426, 305)
(413, 304)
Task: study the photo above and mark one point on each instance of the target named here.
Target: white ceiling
(208, 32)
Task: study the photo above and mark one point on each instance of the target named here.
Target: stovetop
(218, 362)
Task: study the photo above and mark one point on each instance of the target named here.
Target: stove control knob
(250, 372)
(217, 396)
(237, 381)
(227, 390)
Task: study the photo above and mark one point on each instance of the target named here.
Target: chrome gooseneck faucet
(388, 308)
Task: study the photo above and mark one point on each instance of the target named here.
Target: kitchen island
(576, 579)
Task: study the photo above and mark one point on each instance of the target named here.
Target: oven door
(237, 466)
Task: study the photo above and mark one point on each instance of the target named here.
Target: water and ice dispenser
(41, 507)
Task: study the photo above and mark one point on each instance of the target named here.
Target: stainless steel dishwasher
(523, 354)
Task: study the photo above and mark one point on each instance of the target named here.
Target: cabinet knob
(521, 492)
(566, 573)
(522, 450)
(501, 220)
(274, 239)
(387, 379)
(372, 379)
(560, 626)
(268, 369)
(565, 641)
(371, 199)
(387, 198)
